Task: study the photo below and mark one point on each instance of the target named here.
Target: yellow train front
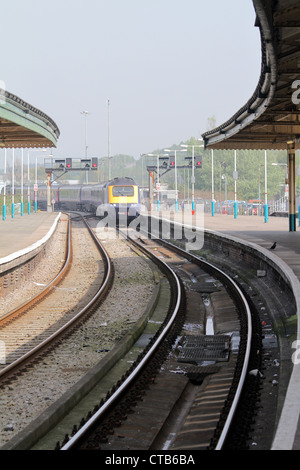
(119, 199)
(124, 196)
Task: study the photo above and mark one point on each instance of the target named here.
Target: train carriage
(68, 197)
(118, 198)
(92, 196)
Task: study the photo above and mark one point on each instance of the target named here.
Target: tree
(211, 123)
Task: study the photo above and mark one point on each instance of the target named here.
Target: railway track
(44, 389)
(39, 322)
(183, 395)
(184, 389)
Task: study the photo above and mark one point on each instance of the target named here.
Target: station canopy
(23, 126)
(271, 118)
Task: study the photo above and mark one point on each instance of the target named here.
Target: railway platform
(254, 232)
(21, 236)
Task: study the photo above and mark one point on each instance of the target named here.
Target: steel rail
(104, 408)
(247, 309)
(60, 331)
(243, 375)
(90, 423)
(36, 298)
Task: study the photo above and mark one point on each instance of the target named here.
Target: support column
(292, 190)
(235, 193)
(212, 185)
(266, 190)
(151, 181)
(49, 206)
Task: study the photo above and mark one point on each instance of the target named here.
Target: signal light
(68, 163)
(198, 162)
(94, 163)
(172, 162)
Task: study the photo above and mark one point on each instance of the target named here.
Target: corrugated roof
(271, 117)
(24, 126)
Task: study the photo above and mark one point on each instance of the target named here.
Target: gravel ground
(48, 268)
(24, 399)
(84, 277)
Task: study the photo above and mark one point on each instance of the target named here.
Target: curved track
(48, 300)
(165, 340)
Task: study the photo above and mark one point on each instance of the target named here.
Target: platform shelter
(270, 119)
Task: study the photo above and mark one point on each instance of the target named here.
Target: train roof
(67, 186)
(123, 180)
(115, 181)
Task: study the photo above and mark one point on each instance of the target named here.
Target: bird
(255, 372)
(273, 246)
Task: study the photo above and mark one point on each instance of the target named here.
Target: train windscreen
(119, 191)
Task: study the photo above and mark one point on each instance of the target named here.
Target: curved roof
(271, 117)
(22, 125)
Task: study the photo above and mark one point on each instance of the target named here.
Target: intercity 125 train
(119, 197)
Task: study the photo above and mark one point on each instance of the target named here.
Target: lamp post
(4, 189)
(28, 184)
(286, 179)
(108, 154)
(193, 172)
(86, 113)
(266, 191)
(35, 189)
(212, 185)
(235, 176)
(224, 177)
(176, 191)
(50, 206)
(36, 179)
(22, 182)
(13, 185)
(259, 192)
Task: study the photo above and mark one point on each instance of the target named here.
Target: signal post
(58, 167)
(170, 163)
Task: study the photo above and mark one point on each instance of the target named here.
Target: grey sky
(165, 65)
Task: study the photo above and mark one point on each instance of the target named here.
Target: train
(117, 198)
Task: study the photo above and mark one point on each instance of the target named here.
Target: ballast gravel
(48, 268)
(24, 399)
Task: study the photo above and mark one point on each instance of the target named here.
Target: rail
(130, 379)
(75, 440)
(231, 284)
(103, 288)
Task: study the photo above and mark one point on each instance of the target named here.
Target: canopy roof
(23, 126)
(270, 118)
